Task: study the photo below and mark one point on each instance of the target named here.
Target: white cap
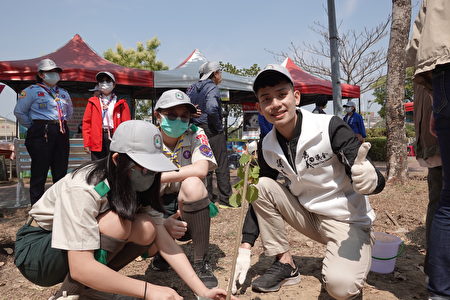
(109, 74)
(208, 68)
(272, 68)
(48, 65)
(142, 142)
(349, 104)
(173, 98)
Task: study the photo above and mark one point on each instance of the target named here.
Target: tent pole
(153, 105)
(17, 121)
(226, 122)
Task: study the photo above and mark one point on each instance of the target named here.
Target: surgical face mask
(348, 109)
(106, 87)
(51, 78)
(141, 179)
(173, 128)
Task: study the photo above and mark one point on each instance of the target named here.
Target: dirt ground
(405, 204)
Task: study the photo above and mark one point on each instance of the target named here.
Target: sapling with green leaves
(245, 189)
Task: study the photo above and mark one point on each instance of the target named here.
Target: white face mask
(348, 109)
(51, 78)
(106, 87)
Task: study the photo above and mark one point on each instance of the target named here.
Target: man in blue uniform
(355, 121)
(205, 93)
(44, 109)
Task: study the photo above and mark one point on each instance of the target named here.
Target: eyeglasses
(135, 167)
(173, 116)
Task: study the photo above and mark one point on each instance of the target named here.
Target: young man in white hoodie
(326, 177)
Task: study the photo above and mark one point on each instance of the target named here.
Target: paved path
(413, 166)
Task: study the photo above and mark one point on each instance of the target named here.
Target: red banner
(249, 106)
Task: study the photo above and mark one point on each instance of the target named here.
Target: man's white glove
(364, 175)
(252, 147)
(242, 266)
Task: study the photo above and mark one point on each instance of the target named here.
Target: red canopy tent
(309, 84)
(80, 64)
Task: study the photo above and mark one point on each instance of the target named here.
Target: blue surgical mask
(51, 78)
(173, 128)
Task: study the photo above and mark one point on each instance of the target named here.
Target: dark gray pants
(48, 148)
(219, 147)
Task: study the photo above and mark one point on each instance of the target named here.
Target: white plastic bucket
(385, 252)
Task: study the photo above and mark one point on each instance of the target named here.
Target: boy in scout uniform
(184, 193)
(44, 108)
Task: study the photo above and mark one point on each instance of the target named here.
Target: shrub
(410, 131)
(376, 132)
(378, 150)
(381, 131)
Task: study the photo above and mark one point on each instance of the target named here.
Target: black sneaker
(204, 272)
(159, 263)
(437, 297)
(225, 205)
(275, 277)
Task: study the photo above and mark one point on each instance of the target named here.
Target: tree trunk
(395, 113)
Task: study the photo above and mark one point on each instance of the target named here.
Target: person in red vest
(102, 116)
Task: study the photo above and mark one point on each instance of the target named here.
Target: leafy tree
(379, 90)
(143, 57)
(252, 71)
(235, 110)
(143, 109)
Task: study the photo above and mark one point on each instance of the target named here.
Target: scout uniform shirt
(192, 146)
(35, 103)
(70, 209)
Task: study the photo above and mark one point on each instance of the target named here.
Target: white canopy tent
(187, 73)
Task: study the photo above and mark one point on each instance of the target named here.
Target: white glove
(364, 175)
(252, 147)
(242, 266)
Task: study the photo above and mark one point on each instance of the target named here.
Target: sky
(242, 33)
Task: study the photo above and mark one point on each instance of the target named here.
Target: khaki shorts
(349, 246)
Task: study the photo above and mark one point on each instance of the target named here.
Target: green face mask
(173, 128)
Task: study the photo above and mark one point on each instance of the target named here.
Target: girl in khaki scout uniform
(93, 222)
(183, 192)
